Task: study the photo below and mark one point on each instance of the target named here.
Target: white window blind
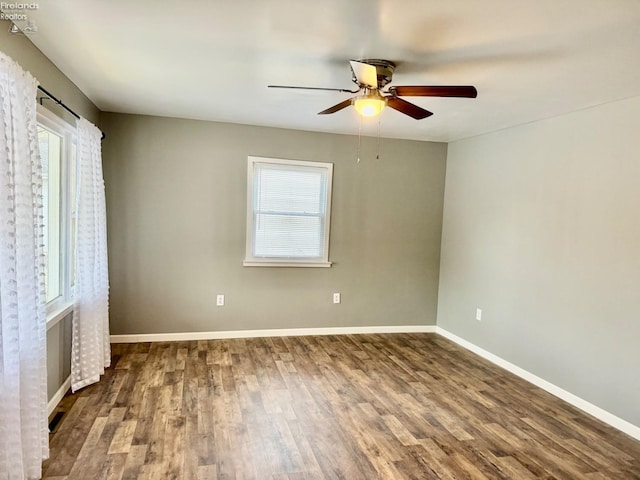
(288, 212)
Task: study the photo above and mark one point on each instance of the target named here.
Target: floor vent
(55, 421)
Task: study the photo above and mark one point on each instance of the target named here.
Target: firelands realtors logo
(16, 11)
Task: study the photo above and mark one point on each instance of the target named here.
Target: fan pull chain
(359, 138)
(378, 146)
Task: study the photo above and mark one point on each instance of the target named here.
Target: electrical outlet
(336, 298)
(479, 314)
(220, 300)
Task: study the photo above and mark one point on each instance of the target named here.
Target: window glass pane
(290, 191)
(50, 155)
(72, 200)
(288, 236)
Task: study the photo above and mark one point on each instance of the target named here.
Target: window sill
(53, 318)
(253, 263)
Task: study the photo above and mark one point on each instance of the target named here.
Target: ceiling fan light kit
(370, 104)
(372, 76)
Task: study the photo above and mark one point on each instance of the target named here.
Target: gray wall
(542, 231)
(58, 354)
(176, 210)
(30, 58)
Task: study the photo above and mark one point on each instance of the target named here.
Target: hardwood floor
(402, 406)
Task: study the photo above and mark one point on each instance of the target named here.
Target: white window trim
(61, 306)
(54, 317)
(250, 260)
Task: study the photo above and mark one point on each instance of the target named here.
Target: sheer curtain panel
(90, 351)
(23, 391)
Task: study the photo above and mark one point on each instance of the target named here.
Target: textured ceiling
(214, 59)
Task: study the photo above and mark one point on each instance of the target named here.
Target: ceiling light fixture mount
(384, 71)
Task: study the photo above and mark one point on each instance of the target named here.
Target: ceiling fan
(372, 76)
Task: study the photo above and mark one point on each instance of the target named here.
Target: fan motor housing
(384, 70)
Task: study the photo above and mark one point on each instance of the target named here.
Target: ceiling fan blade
(408, 108)
(466, 91)
(365, 74)
(315, 88)
(336, 108)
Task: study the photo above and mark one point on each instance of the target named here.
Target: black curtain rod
(59, 102)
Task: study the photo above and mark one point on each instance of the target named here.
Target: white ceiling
(213, 59)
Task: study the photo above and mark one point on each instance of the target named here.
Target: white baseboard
(55, 400)
(284, 332)
(616, 422)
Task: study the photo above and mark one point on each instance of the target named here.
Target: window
(50, 154)
(57, 154)
(288, 213)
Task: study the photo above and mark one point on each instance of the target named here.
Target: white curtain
(24, 439)
(90, 351)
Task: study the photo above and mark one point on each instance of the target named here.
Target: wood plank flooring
(401, 406)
